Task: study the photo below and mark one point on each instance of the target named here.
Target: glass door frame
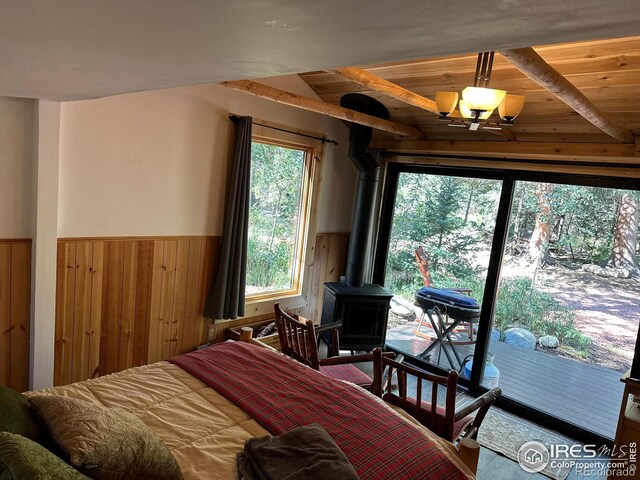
(508, 178)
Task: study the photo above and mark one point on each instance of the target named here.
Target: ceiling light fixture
(479, 102)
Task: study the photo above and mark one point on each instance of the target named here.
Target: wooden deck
(586, 395)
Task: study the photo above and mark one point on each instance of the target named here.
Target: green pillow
(22, 458)
(105, 443)
(15, 414)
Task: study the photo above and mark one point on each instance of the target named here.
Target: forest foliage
(453, 218)
(276, 184)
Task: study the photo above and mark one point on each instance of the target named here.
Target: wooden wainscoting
(124, 302)
(329, 263)
(15, 299)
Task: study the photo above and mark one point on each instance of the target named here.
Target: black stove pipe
(369, 175)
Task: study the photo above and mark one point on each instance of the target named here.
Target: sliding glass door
(441, 236)
(531, 285)
(568, 305)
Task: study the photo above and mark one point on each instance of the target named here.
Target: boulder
(520, 337)
(548, 341)
(495, 334)
(402, 308)
(614, 272)
(620, 272)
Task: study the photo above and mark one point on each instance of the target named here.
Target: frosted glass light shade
(484, 99)
(466, 112)
(446, 102)
(511, 107)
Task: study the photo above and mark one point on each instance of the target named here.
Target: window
(280, 199)
(547, 257)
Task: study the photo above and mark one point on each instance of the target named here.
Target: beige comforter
(203, 430)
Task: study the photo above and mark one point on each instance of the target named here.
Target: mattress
(203, 430)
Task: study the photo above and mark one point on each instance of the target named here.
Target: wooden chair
(423, 265)
(445, 421)
(298, 340)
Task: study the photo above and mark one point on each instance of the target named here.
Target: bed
(204, 405)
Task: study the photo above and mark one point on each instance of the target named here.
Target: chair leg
(420, 323)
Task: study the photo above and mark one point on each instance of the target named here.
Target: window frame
(294, 297)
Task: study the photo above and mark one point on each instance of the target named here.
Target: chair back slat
(419, 392)
(297, 339)
(402, 384)
(423, 265)
(294, 339)
(434, 394)
(305, 346)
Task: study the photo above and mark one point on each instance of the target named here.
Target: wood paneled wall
(15, 298)
(329, 263)
(124, 302)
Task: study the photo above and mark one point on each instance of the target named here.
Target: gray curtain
(226, 296)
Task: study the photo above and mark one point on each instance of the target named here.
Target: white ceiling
(77, 49)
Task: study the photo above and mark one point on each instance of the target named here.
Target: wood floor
(586, 395)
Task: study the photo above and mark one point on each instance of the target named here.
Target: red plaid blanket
(281, 394)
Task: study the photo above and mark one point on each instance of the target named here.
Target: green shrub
(521, 305)
(267, 268)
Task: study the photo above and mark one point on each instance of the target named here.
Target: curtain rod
(323, 139)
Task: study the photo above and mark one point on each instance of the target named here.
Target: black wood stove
(363, 312)
(363, 308)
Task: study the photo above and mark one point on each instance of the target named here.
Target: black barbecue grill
(446, 310)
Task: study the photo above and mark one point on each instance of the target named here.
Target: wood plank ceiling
(606, 71)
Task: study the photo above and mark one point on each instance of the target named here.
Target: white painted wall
(155, 163)
(44, 249)
(16, 137)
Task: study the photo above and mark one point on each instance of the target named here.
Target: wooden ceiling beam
(379, 84)
(324, 108)
(533, 66)
(614, 152)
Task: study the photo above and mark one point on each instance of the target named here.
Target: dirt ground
(606, 309)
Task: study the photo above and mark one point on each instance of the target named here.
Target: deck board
(586, 395)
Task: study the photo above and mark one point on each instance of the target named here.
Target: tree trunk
(625, 235)
(517, 222)
(539, 243)
(472, 189)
